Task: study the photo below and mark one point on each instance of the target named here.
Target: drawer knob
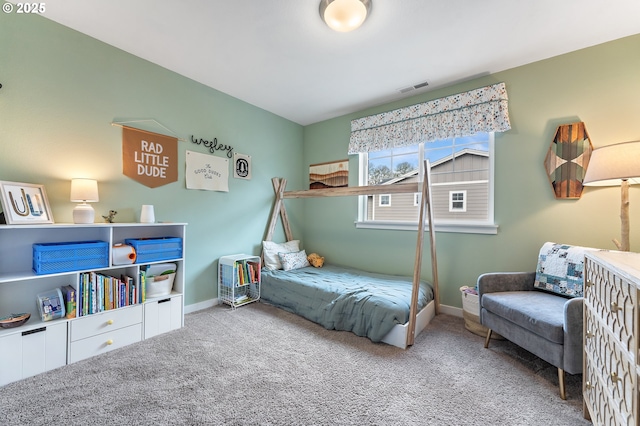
(590, 334)
(589, 284)
(109, 342)
(109, 322)
(588, 385)
(615, 377)
(615, 307)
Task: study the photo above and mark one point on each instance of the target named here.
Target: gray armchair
(547, 324)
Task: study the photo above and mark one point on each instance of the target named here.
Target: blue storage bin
(51, 258)
(156, 249)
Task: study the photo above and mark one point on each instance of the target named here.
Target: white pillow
(294, 260)
(270, 252)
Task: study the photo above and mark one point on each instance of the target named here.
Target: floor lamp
(616, 165)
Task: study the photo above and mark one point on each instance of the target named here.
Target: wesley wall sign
(213, 145)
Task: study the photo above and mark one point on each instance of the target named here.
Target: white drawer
(104, 342)
(602, 409)
(30, 352)
(614, 300)
(91, 325)
(162, 316)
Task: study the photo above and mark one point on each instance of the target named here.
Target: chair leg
(486, 341)
(563, 394)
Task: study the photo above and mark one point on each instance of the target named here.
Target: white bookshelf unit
(239, 279)
(38, 346)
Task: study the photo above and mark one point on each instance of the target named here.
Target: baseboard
(451, 310)
(201, 305)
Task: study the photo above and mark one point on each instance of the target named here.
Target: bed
(384, 308)
(368, 304)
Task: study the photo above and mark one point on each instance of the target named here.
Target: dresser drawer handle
(590, 334)
(37, 330)
(615, 378)
(109, 342)
(110, 322)
(589, 284)
(615, 307)
(588, 385)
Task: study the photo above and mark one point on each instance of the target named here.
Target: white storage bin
(470, 302)
(157, 281)
(51, 305)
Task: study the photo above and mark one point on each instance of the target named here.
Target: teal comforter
(341, 298)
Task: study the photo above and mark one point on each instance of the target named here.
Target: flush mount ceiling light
(344, 15)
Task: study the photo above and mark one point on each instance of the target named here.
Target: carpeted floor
(261, 365)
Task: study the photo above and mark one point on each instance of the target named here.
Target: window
(461, 171)
(457, 201)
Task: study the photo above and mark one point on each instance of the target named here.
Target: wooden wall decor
(567, 160)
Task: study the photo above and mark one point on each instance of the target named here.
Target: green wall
(61, 91)
(598, 85)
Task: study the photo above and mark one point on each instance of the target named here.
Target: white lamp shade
(84, 191)
(344, 15)
(611, 164)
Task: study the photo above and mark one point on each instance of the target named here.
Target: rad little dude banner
(149, 158)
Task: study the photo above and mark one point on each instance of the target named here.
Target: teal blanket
(341, 298)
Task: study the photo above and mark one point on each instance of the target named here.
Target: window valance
(481, 110)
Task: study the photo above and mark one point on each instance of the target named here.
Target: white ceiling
(278, 55)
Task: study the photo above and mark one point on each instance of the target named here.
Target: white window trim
(453, 209)
(466, 227)
(461, 228)
(380, 203)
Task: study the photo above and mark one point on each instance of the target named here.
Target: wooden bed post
(279, 209)
(279, 190)
(432, 240)
(424, 202)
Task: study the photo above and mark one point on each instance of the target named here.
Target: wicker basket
(471, 314)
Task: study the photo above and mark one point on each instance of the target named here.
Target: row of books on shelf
(98, 293)
(248, 271)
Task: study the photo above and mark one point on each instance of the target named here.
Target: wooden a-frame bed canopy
(426, 212)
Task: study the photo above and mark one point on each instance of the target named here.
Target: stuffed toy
(110, 217)
(316, 260)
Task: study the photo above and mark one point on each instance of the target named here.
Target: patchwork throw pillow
(294, 260)
(270, 252)
(560, 269)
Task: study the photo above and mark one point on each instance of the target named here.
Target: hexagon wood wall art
(567, 160)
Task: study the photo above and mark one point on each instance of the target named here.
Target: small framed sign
(241, 166)
(24, 203)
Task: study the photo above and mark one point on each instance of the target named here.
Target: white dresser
(611, 370)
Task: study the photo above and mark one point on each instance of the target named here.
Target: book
(69, 295)
(80, 295)
(255, 277)
(143, 290)
(94, 301)
(131, 289)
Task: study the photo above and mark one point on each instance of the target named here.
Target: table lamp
(616, 165)
(84, 191)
